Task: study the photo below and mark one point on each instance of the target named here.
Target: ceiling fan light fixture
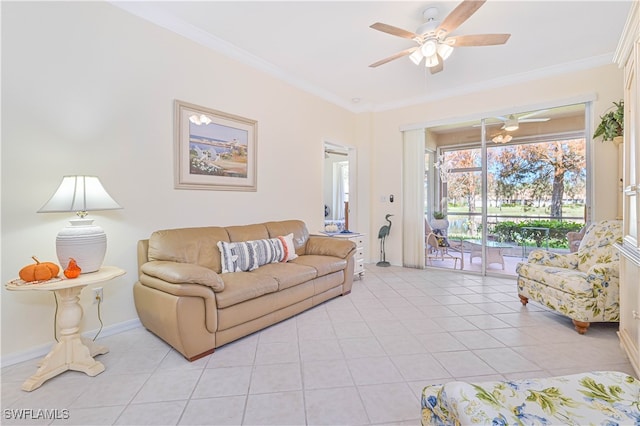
(502, 139)
(429, 48)
(431, 61)
(511, 124)
(416, 56)
(444, 50)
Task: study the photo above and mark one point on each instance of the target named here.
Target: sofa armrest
(183, 273)
(547, 258)
(187, 290)
(328, 246)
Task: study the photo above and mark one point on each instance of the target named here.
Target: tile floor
(359, 360)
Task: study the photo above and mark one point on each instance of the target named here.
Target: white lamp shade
(79, 194)
(429, 48)
(444, 50)
(431, 61)
(81, 240)
(416, 56)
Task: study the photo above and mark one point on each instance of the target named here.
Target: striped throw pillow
(268, 251)
(240, 256)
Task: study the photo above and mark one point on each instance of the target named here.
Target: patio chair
(584, 285)
(575, 238)
(437, 247)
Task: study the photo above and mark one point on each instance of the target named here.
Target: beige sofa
(183, 297)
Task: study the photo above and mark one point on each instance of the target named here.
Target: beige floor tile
(227, 410)
(284, 408)
(338, 406)
(463, 363)
(155, 413)
(168, 385)
(368, 371)
(224, 381)
(276, 378)
(390, 403)
(361, 347)
(326, 374)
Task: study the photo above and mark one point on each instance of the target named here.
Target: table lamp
(81, 239)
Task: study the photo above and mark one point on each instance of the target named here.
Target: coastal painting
(214, 150)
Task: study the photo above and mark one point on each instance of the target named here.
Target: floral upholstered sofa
(584, 285)
(595, 398)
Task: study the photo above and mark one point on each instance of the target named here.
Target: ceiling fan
(434, 43)
(512, 122)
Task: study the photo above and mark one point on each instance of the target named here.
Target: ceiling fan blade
(533, 120)
(531, 114)
(460, 14)
(477, 40)
(390, 29)
(439, 67)
(392, 57)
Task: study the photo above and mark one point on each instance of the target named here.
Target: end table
(72, 352)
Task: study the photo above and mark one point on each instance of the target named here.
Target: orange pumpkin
(73, 270)
(39, 271)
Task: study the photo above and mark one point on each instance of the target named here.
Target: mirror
(337, 181)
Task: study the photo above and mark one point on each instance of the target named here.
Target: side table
(72, 352)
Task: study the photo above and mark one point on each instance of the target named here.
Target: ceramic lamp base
(83, 241)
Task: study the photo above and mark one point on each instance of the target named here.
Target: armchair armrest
(603, 272)
(183, 273)
(327, 246)
(547, 258)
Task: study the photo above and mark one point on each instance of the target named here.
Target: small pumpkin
(72, 270)
(39, 271)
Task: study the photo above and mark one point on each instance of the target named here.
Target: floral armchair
(584, 285)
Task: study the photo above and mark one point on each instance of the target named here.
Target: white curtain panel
(413, 199)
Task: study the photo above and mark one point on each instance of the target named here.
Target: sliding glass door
(507, 186)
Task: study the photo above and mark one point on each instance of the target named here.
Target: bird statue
(382, 236)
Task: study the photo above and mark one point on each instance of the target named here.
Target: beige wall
(89, 89)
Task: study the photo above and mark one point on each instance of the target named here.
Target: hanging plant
(611, 124)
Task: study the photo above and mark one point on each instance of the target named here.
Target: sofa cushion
(322, 264)
(248, 232)
(188, 245)
(287, 274)
(295, 227)
(241, 286)
(570, 281)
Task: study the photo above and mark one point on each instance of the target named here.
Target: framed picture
(214, 150)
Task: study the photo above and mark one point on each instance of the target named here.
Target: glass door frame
(437, 190)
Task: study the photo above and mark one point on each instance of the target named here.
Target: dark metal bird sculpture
(382, 236)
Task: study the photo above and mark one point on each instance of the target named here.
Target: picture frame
(214, 150)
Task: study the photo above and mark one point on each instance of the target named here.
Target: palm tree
(382, 236)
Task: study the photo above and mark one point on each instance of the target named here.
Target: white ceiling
(325, 47)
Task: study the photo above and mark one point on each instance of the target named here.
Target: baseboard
(42, 350)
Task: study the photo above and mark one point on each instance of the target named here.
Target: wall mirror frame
(339, 186)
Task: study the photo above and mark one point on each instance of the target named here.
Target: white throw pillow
(289, 247)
